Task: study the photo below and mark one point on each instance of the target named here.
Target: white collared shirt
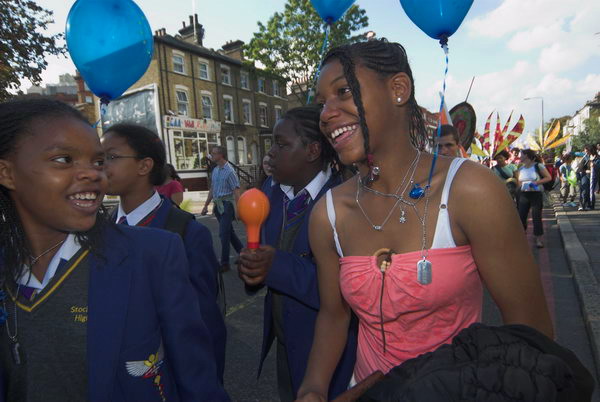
(135, 216)
(313, 188)
(67, 250)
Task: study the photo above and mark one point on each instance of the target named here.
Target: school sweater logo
(149, 368)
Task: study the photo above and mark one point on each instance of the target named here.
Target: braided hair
(386, 59)
(306, 125)
(16, 120)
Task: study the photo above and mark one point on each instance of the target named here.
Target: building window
(178, 63)
(241, 143)
(262, 111)
(261, 85)
(245, 80)
(203, 71)
(278, 113)
(191, 149)
(253, 154)
(276, 89)
(225, 75)
(182, 102)
(230, 149)
(247, 111)
(228, 108)
(268, 143)
(207, 106)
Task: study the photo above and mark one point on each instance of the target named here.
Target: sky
(514, 48)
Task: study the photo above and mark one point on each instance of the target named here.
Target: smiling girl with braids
(410, 263)
(89, 311)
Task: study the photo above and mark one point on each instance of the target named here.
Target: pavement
(580, 233)
(569, 275)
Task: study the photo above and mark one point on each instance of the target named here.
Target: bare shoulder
(474, 179)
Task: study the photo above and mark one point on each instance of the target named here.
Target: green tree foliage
(23, 43)
(289, 44)
(590, 134)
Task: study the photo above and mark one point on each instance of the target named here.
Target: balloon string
(311, 91)
(103, 108)
(439, 127)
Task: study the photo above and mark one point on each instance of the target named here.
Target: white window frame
(249, 103)
(245, 74)
(186, 92)
(231, 155)
(207, 94)
(254, 153)
(230, 77)
(207, 64)
(276, 89)
(264, 85)
(241, 153)
(174, 54)
(280, 109)
(230, 99)
(260, 116)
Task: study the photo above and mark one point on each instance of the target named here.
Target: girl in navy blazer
(89, 310)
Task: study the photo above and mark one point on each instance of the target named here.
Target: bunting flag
(550, 138)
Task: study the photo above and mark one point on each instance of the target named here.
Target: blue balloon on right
(437, 18)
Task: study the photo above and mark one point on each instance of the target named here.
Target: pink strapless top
(416, 318)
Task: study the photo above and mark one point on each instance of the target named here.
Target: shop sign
(204, 125)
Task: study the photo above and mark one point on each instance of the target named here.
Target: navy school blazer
(141, 303)
(203, 274)
(294, 274)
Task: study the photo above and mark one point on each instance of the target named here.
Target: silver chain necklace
(424, 265)
(15, 349)
(399, 195)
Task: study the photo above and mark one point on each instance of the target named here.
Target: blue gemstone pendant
(417, 192)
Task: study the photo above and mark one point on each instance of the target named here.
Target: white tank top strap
(443, 232)
(331, 216)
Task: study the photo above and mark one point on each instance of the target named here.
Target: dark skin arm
(499, 246)
(333, 320)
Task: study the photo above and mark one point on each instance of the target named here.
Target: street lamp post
(542, 99)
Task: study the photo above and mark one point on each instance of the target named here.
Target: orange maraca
(253, 209)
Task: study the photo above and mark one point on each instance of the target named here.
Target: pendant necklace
(424, 274)
(398, 195)
(15, 347)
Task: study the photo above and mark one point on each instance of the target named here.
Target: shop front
(189, 143)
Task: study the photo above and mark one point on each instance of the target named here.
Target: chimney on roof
(234, 49)
(193, 33)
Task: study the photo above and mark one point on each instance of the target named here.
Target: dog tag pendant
(424, 272)
(16, 354)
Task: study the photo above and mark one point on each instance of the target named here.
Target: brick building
(195, 98)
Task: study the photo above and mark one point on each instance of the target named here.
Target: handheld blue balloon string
(311, 91)
(444, 43)
(103, 107)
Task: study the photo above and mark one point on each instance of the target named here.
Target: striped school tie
(296, 208)
(123, 221)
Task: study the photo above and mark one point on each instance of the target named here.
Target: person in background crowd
(531, 176)
(515, 157)
(588, 178)
(506, 172)
(266, 172)
(301, 160)
(135, 162)
(376, 245)
(225, 191)
(91, 310)
(568, 181)
(448, 141)
(172, 188)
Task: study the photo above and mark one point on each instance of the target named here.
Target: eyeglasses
(112, 157)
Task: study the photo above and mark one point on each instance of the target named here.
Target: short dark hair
(448, 129)
(221, 150)
(305, 120)
(146, 144)
(504, 153)
(591, 149)
(531, 154)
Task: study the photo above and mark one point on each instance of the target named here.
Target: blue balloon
(437, 18)
(331, 10)
(111, 43)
